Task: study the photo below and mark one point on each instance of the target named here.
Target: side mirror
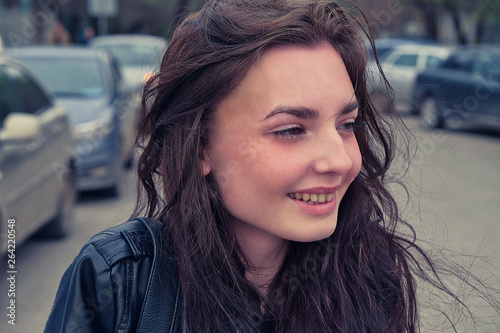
(19, 127)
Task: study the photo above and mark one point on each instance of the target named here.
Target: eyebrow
(306, 112)
(296, 111)
(350, 107)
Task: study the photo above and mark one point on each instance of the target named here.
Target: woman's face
(282, 146)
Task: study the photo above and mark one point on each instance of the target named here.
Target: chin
(313, 236)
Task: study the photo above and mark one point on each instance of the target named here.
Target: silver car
(401, 67)
(37, 174)
(139, 56)
(103, 109)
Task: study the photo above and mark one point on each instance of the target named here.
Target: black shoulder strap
(161, 308)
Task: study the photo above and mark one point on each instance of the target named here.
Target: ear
(205, 164)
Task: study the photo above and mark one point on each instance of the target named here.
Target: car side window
(31, 97)
(9, 102)
(488, 67)
(461, 62)
(406, 60)
(115, 70)
(433, 61)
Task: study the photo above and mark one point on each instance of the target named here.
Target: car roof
(444, 49)
(478, 48)
(7, 60)
(128, 39)
(393, 41)
(56, 52)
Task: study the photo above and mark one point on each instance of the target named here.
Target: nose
(332, 155)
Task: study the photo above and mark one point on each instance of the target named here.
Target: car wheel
(62, 224)
(430, 116)
(115, 189)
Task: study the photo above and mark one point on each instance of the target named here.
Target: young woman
(263, 177)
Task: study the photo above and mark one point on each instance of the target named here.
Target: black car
(464, 88)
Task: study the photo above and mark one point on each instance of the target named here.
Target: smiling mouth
(312, 198)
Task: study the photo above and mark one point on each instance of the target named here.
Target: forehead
(294, 75)
(298, 59)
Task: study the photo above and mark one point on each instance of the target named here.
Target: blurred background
(445, 21)
(71, 78)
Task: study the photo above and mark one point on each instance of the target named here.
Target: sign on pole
(102, 8)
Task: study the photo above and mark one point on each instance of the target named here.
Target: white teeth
(312, 198)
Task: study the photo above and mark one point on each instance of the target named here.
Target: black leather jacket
(123, 280)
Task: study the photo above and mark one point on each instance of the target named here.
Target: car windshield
(69, 77)
(135, 55)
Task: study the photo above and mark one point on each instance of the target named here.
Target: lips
(315, 195)
(317, 201)
(312, 198)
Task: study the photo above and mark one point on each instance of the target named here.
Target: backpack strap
(162, 301)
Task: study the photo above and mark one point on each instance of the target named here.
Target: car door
(29, 183)
(486, 80)
(15, 159)
(401, 69)
(127, 104)
(454, 88)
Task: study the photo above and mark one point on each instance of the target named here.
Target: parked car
(102, 109)
(138, 55)
(37, 175)
(465, 88)
(401, 67)
(385, 46)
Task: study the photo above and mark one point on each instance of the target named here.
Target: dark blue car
(464, 89)
(103, 110)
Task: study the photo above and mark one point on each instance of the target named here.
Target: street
(41, 263)
(454, 203)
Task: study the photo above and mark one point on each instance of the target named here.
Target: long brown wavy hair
(358, 280)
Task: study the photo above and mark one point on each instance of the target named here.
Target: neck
(265, 254)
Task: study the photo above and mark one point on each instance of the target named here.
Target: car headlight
(94, 130)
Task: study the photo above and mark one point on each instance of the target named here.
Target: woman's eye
(351, 126)
(290, 132)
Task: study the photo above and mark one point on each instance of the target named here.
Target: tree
(481, 12)
(489, 11)
(9, 3)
